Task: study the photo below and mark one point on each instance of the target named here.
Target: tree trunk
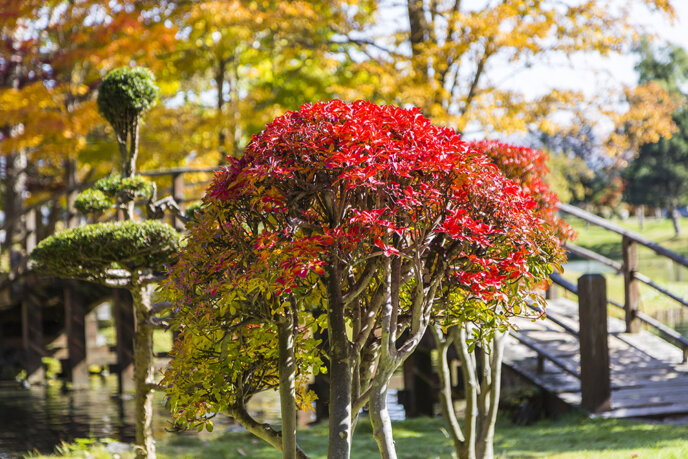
(641, 217)
(379, 414)
(143, 371)
(287, 387)
(470, 380)
(263, 431)
(15, 184)
(488, 415)
(133, 148)
(340, 369)
(675, 220)
(446, 399)
(220, 83)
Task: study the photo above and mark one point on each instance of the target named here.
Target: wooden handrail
(678, 340)
(601, 222)
(179, 170)
(615, 265)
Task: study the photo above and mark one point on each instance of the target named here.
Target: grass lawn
(573, 436)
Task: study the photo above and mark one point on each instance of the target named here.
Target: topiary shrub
(92, 201)
(125, 94)
(109, 253)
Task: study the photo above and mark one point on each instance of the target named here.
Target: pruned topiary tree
(123, 97)
(124, 254)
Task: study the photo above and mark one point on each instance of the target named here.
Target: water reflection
(40, 418)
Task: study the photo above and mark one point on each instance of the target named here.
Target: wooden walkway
(648, 377)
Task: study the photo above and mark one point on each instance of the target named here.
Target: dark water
(42, 417)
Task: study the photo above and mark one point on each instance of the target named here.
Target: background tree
(456, 61)
(657, 176)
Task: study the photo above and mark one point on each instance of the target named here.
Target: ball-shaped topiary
(125, 94)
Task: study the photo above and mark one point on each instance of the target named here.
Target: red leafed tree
(467, 320)
(351, 216)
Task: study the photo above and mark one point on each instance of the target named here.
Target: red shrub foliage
(527, 167)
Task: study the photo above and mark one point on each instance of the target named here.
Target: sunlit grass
(573, 436)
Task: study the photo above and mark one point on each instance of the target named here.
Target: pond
(41, 417)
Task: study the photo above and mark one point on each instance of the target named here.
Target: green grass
(573, 436)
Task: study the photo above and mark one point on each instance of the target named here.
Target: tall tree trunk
(143, 371)
(675, 219)
(287, 385)
(470, 381)
(490, 391)
(442, 344)
(15, 184)
(220, 83)
(340, 369)
(641, 217)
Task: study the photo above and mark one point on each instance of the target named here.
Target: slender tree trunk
(263, 431)
(287, 386)
(485, 442)
(143, 372)
(379, 413)
(675, 219)
(133, 148)
(15, 184)
(340, 369)
(641, 217)
(220, 83)
(443, 343)
(470, 379)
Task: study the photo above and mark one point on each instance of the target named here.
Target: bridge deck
(647, 376)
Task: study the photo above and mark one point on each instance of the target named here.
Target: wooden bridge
(609, 366)
(612, 367)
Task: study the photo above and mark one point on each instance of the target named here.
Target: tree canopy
(353, 215)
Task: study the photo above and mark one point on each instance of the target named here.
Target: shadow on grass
(571, 436)
(578, 436)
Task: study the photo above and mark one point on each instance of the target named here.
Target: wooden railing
(628, 268)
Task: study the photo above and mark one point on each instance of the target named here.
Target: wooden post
(419, 393)
(123, 310)
(32, 333)
(71, 219)
(631, 293)
(594, 349)
(178, 196)
(552, 292)
(75, 314)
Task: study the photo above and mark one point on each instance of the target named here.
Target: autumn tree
(458, 61)
(125, 254)
(477, 328)
(367, 210)
(52, 58)
(657, 176)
